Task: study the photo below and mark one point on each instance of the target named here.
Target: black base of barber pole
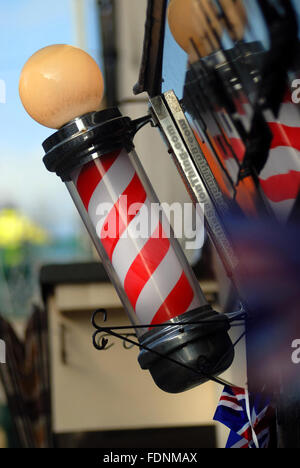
(181, 353)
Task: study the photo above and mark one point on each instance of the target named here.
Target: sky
(25, 27)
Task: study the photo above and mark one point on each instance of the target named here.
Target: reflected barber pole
(236, 150)
(135, 236)
(280, 178)
(227, 145)
(221, 143)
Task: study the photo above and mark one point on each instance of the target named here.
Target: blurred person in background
(18, 237)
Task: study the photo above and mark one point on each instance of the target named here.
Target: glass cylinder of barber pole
(94, 155)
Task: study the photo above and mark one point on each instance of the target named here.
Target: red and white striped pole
(280, 178)
(139, 251)
(157, 284)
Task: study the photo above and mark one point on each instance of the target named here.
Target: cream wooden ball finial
(58, 83)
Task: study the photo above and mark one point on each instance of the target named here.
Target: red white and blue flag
(249, 417)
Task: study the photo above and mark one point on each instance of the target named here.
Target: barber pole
(156, 283)
(94, 155)
(182, 341)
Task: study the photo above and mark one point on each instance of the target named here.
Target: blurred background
(38, 223)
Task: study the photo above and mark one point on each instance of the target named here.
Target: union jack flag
(249, 417)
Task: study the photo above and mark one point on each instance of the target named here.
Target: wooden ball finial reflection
(194, 26)
(180, 14)
(58, 83)
(198, 25)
